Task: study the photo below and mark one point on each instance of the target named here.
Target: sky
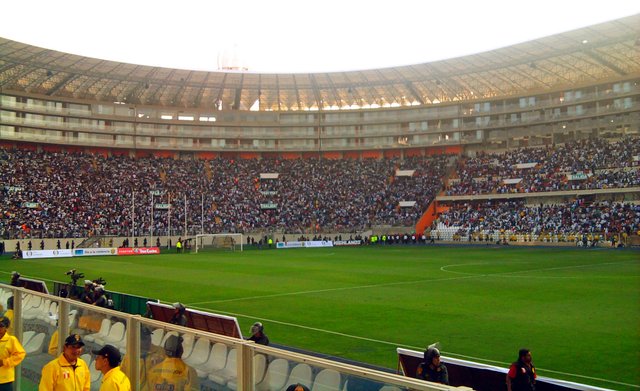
(293, 36)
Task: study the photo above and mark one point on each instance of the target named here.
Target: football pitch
(578, 310)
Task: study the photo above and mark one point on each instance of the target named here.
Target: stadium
(487, 203)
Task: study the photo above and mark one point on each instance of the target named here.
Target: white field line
(345, 288)
(466, 275)
(443, 268)
(395, 344)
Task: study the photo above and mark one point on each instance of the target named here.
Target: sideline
(395, 344)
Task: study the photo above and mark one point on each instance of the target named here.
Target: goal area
(218, 242)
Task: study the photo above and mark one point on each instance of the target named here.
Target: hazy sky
(293, 36)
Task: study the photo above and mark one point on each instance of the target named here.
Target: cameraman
(87, 295)
(99, 297)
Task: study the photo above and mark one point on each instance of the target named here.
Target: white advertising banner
(512, 181)
(521, 166)
(347, 243)
(306, 244)
(290, 244)
(46, 254)
(89, 252)
(578, 176)
(405, 172)
(318, 243)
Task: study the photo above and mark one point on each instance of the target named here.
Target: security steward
(68, 372)
(150, 356)
(11, 354)
(173, 374)
(108, 362)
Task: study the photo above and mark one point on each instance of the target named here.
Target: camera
(75, 276)
(100, 281)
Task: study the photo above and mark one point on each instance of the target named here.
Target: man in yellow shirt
(67, 372)
(172, 373)
(11, 354)
(150, 356)
(108, 362)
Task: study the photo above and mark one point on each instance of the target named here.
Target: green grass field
(577, 310)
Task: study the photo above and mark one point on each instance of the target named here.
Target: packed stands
(58, 194)
(579, 165)
(564, 221)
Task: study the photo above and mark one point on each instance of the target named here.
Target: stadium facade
(573, 85)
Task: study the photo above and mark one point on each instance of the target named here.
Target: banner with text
(92, 252)
(305, 244)
(46, 254)
(347, 243)
(138, 250)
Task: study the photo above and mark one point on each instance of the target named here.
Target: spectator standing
(11, 354)
(522, 373)
(108, 362)
(68, 371)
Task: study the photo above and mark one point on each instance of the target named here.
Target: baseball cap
(74, 339)
(110, 352)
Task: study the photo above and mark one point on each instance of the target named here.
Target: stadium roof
(607, 51)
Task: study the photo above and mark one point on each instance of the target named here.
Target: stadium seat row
(217, 363)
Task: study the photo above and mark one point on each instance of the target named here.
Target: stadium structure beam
(198, 98)
(605, 62)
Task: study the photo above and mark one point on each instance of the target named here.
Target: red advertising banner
(138, 250)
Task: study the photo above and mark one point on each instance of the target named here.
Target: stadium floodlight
(217, 242)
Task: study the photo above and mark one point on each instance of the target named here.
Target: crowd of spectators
(579, 165)
(516, 217)
(57, 194)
